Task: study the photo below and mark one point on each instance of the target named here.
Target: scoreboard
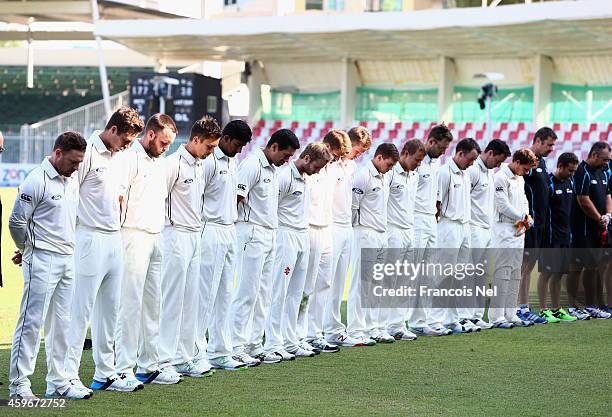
(184, 97)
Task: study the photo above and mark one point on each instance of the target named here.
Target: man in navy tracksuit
(590, 217)
(536, 190)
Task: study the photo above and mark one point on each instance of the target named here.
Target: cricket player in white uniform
(99, 253)
(181, 261)
(482, 194)
(257, 191)
(403, 182)
(218, 251)
(370, 198)
(292, 251)
(318, 276)
(356, 143)
(425, 223)
(142, 221)
(510, 221)
(42, 225)
(454, 225)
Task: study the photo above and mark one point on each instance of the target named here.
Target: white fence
(37, 140)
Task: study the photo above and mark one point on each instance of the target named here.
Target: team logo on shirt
(25, 197)
(267, 180)
(399, 186)
(188, 181)
(376, 189)
(559, 192)
(297, 193)
(538, 169)
(425, 175)
(499, 188)
(223, 171)
(593, 181)
(56, 197)
(569, 190)
(358, 191)
(456, 185)
(100, 169)
(286, 271)
(242, 187)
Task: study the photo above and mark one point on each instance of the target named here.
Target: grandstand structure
(400, 72)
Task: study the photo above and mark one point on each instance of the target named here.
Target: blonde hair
(360, 136)
(338, 139)
(317, 151)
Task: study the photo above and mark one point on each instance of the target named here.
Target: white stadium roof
(554, 29)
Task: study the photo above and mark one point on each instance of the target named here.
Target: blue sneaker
(534, 318)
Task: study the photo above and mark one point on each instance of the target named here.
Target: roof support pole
(542, 89)
(254, 82)
(446, 85)
(95, 16)
(349, 80)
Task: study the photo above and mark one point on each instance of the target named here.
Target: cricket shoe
(24, 393)
(403, 334)
(504, 324)
(302, 353)
(381, 336)
(482, 324)
(269, 358)
(518, 322)
(578, 313)
(247, 359)
(457, 327)
(428, 331)
(440, 328)
(323, 345)
(468, 325)
(117, 384)
(307, 346)
(344, 340)
(195, 369)
(606, 309)
(549, 316)
(130, 378)
(227, 363)
(70, 392)
(286, 356)
(563, 316)
(161, 377)
(597, 313)
(530, 316)
(76, 382)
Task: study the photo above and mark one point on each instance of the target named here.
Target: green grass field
(549, 370)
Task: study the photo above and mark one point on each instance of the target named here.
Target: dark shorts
(534, 240)
(587, 252)
(555, 258)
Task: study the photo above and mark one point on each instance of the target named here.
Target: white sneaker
(344, 339)
(428, 331)
(228, 363)
(166, 376)
(381, 336)
(286, 356)
(76, 382)
(469, 326)
(269, 357)
(201, 368)
(117, 384)
(70, 392)
(247, 359)
(324, 346)
(24, 393)
(482, 324)
(302, 353)
(307, 346)
(597, 313)
(130, 379)
(442, 329)
(403, 334)
(520, 323)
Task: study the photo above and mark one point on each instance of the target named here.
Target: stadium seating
(574, 137)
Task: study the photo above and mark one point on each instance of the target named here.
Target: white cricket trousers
(291, 261)
(507, 272)
(179, 296)
(425, 242)
(481, 241)
(138, 329)
(396, 317)
(360, 320)
(341, 257)
(98, 258)
(251, 298)
(456, 236)
(318, 283)
(218, 260)
(48, 280)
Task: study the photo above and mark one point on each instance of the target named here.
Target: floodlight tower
(489, 90)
